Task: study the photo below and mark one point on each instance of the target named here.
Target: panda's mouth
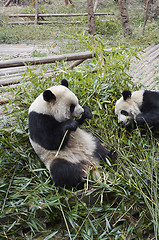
(125, 123)
(128, 121)
(78, 117)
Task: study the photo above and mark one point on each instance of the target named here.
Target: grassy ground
(123, 204)
(66, 36)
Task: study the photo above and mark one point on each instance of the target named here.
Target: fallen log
(50, 59)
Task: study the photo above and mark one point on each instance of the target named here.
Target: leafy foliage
(122, 204)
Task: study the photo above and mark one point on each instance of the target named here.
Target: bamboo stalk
(24, 22)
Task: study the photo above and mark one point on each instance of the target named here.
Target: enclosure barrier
(37, 16)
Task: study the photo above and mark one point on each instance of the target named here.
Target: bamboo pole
(11, 80)
(24, 22)
(58, 15)
(76, 63)
(50, 59)
(44, 60)
(46, 22)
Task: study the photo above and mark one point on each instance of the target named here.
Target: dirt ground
(8, 51)
(12, 51)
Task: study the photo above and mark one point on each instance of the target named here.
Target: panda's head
(128, 106)
(59, 102)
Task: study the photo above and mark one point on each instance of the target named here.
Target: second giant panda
(67, 151)
(141, 106)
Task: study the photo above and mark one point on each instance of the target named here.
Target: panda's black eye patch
(72, 107)
(125, 113)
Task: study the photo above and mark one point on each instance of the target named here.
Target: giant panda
(140, 106)
(67, 151)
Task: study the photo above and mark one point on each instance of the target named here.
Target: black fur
(48, 96)
(149, 109)
(126, 94)
(72, 108)
(64, 82)
(66, 174)
(101, 153)
(47, 132)
(87, 114)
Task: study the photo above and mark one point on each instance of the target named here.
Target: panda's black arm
(150, 118)
(87, 114)
(72, 125)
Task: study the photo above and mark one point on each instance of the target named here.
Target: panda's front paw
(74, 125)
(87, 113)
(113, 155)
(140, 118)
(71, 125)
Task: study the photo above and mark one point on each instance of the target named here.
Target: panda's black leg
(103, 153)
(140, 119)
(66, 174)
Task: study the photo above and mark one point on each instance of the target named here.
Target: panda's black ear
(126, 94)
(48, 96)
(64, 82)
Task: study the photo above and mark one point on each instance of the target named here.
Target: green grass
(108, 27)
(122, 204)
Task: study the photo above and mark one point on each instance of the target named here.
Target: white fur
(61, 108)
(79, 148)
(131, 105)
(81, 145)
